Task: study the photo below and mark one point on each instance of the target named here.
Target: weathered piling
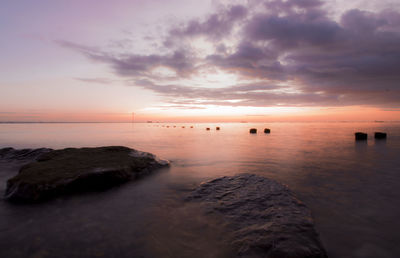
(253, 130)
(361, 136)
(380, 135)
(267, 130)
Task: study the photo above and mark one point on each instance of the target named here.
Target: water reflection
(351, 187)
(361, 146)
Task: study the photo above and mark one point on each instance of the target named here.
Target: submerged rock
(72, 170)
(264, 217)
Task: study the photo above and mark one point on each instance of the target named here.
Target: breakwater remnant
(380, 135)
(267, 130)
(253, 130)
(263, 217)
(361, 136)
(75, 170)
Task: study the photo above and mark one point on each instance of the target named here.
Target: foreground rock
(265, 218)
(56, 172)
(12, 154)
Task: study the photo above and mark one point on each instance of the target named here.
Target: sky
(198, 61)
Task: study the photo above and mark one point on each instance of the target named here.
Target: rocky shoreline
(56, 172)
(262, 217)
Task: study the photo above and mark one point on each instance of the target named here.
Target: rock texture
(70, 170)
(23, 154)
(265, 217)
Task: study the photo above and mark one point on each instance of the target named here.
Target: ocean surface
(352, 188)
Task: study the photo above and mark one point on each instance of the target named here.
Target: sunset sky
(209, 60)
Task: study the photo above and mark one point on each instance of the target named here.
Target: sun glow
(215, 110)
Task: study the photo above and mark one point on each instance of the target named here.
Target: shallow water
(351, 187)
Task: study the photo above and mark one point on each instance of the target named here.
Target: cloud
(250, 60)
(179, 61)
(252, 94)
(309, 58)
(216, 26)
(95, 80)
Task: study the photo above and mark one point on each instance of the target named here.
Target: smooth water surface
(352, 188)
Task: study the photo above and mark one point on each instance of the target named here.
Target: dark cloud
(250, 61)
(288, 6)
(215, 26)
(353, 60)
(293, 31)
(179, 61)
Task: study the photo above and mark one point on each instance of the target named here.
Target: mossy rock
(78, 170)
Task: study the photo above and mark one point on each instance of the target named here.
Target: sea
(351, 187)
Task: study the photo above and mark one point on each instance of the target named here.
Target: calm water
(352, 188)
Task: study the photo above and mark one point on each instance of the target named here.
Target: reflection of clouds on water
(348, 185)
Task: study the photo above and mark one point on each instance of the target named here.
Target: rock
(183, 127)
(361, 136)
(380, 135)
(253, 130)
(264, 217)
(208, 128)
(267, 130)
(217, 128)
(75, 170)
(23, 154)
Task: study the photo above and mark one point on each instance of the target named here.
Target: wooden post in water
(380, 135)
(361, 136)
(253, 130)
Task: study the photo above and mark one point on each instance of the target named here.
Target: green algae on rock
(77, 170)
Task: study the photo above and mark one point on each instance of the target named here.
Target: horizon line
(146, 122)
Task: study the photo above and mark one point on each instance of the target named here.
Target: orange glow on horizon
(213, 115)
